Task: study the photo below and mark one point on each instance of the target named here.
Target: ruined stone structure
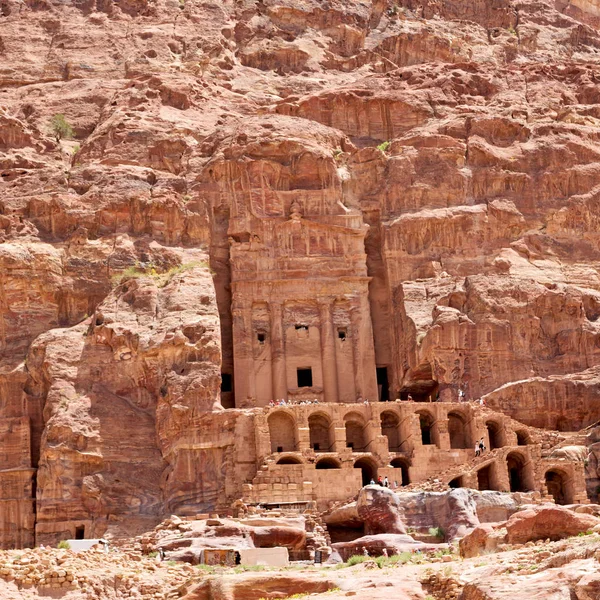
(325, 453)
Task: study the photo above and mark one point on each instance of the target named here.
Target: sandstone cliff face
(446, 150)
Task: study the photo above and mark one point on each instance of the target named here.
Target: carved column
(245, 381)
(330, 376)
(356, 359)
(363, 350)
(280, 388)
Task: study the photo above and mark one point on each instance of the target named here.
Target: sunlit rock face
(205, 206)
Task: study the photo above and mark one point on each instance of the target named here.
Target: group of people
(480, 447)
(288, 402)
(385, 482)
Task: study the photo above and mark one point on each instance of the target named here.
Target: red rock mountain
(181, 177)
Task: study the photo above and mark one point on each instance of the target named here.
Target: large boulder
(547, 522)
(253, 586)
(375, 544)
(588, 587)
(380, 510)
(482, 540)
(531, 524)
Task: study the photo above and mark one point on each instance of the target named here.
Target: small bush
(63, 545)
(437, 532)
(153, 554)
(244, 568)
(61, 127)
(384, 146)
(357, 559)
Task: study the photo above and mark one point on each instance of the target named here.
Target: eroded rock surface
(399, 197)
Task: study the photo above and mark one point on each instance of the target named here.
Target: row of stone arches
(521, 478)
(284, 433)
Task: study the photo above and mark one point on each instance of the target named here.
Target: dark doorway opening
(426, 424)
(514, 464)
(383, 384)
(400, 463)
(305, 377)
(494, 434)
(80, 532)
(227, 399)
(484, 478)
(226, 385)
(522, 438)
(456, 483)
(346, 532)
(369, 471)
(555, 484)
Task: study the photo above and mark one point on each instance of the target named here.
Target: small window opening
(316, 447)
(305, 377)
(279, 448)
(261, 337)
(342, 334)
(301, 327)
(350, 445)
(80, 533)
(226, 382)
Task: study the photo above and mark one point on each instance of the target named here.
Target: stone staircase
(439, 482)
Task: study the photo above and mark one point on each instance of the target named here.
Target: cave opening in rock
(419, 385)
(345, 533)
(456, 483)
(80, 532)
(523, 438)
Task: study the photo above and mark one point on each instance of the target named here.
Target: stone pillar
(330, 376)
(365, 376)
(443, 437)
(280, 388)
(355, 320)
(303, 432)
(245, 381)
(339, 444)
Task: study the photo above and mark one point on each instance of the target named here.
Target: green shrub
(383, 146)
(357, 559)
(64, 545)
(437, 532)
(61, 127)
